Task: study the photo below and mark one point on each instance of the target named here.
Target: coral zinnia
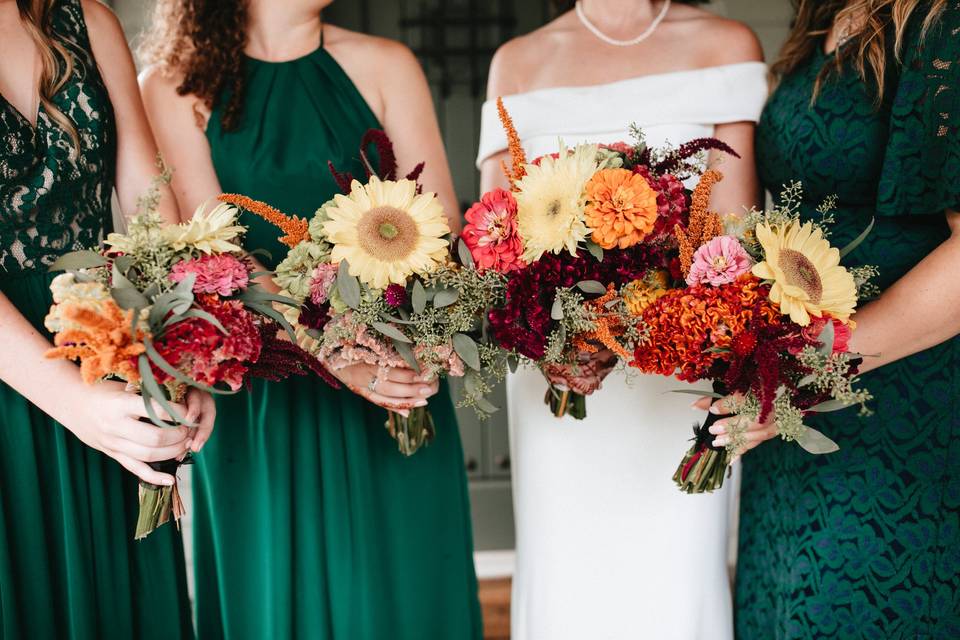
(491, 232)
(386, 231)
(621, 208)
(550, 201)
(806, 273)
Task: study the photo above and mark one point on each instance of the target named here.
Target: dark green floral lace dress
(865, 542)
(69, 567)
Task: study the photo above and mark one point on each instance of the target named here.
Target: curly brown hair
(201, 42)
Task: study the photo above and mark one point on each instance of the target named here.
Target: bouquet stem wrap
(566, 402)
(159, 503)
(413, 431)
(704, 467)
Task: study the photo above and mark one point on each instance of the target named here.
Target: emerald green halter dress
(69, 567)
(308, 521)
(865, 542)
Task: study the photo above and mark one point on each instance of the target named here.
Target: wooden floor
(495, 602)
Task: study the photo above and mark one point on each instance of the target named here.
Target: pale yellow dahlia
(208, 231)
(386, 231)
(551, 199)
(806, 273)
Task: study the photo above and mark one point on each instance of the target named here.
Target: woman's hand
(394, 389)
(584, 377)
(202, 411)
(106, 417)
(753, 434)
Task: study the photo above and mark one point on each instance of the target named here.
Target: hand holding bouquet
(166, 309)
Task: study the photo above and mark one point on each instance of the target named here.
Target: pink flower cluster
(221, 274)
(322, 282)
(719, 262)
(491, 232)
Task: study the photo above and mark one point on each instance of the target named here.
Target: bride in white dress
(607, 547)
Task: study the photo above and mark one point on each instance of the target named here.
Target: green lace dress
(69, 567)
(308, 521)
(865, 542)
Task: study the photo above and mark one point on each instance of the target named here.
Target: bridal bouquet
(581, 235)
(375, 283)
(166, 308)
(765, 314)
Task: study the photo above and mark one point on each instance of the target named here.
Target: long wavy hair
(881, 27)
(201, 42)
(57, 63)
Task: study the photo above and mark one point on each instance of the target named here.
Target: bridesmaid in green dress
(865, 542)
(69, 567)
(308, 522)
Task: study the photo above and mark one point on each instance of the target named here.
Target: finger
(722, 407)
(703, 404)
(205, 427)
(405, 376)
(394, 404)
(149, 435)
(138, 408)
(402, 391)
(760, 436)
(721, 427)
(152, 454)
(194, 405)
(142, 470)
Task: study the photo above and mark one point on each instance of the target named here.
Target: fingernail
(714, 409)
(721, 441)
(420, 403)
(717, 429)
(693, 405)
(425, 391)
(199, 446)
(168, 482)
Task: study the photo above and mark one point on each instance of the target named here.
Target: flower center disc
(800, 272)
(387, 233)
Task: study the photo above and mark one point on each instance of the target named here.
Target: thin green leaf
(261, 252)
(826, 338)
(513, 363)
(173, 372)
(274, 315)
(76, 260)
(816, 443)
(199, 314)
(697, 392)
(445, 297)
(556, 311)
(467, 349)
(185, 286)
(418, 297)
(348, 286)
(856, 242)
(407, 354)
(386, 317)
(466, 258)
(591, 286)
(595, 250)
(391, 332)
(831, 405)
(149, 383)
(255, 293)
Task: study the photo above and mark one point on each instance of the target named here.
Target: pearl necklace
(592, 28)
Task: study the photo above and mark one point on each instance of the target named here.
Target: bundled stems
(413, 431)
(704, 467)
(565, 402)
(158, 503)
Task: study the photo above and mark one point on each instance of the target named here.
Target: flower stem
(412, 432)
(565, 402)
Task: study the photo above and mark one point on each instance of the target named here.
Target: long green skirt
(69, 567)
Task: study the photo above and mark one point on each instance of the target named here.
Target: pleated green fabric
(308, 522)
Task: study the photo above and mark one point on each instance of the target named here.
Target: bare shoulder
(372, 50)
(716, 40)
(103, 27)
(159, 90)
(516, 59)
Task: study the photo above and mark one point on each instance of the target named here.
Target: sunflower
(806, 273)
(550, 202)
(386, 231)
(621, 208)
(207, 231)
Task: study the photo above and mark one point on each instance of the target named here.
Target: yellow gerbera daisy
(806, 273)
(551, 199)
(386, 231)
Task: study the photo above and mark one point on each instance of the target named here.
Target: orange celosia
(608, 328)
(621, 208)
(102, 342)
(517, 155)
(295, 227)
(704, 225)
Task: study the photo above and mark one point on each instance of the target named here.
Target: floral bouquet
(375, 282)
(581, 235)
(165, 308)
(765, 314)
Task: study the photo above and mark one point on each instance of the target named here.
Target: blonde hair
(57, 63)
(868, 49)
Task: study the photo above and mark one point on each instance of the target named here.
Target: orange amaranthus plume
(517, 157)
(704, 225)
(295, 227)
(608, 328)
(102, 342)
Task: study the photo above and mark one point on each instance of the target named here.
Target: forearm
(917, 312)
(24, 367)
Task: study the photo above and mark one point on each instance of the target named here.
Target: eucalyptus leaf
(556, 311)
(123, 263)
(830, 405)
(591, 286)
(513, 363)
(391, 332)
(467, 349)
(118, 280)
(418, 297)
(816, 443)
(485, 405)
(129, 298)
(826, 338)
(407, 354)
(470, 380)
(185, 286)
(466, 258)
(348, 286)
(595, 250)
(806, 380)
(76, 260)
(445, 297)
(386, 317)
(856, 242)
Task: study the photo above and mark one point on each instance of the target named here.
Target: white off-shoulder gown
(607, 547)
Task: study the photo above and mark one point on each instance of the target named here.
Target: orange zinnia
(621, 208)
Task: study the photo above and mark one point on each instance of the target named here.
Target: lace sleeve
(921, 170)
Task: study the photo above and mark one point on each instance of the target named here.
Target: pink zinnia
(720, 261)
(322, 282)
(220, 274)
(491, 232)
